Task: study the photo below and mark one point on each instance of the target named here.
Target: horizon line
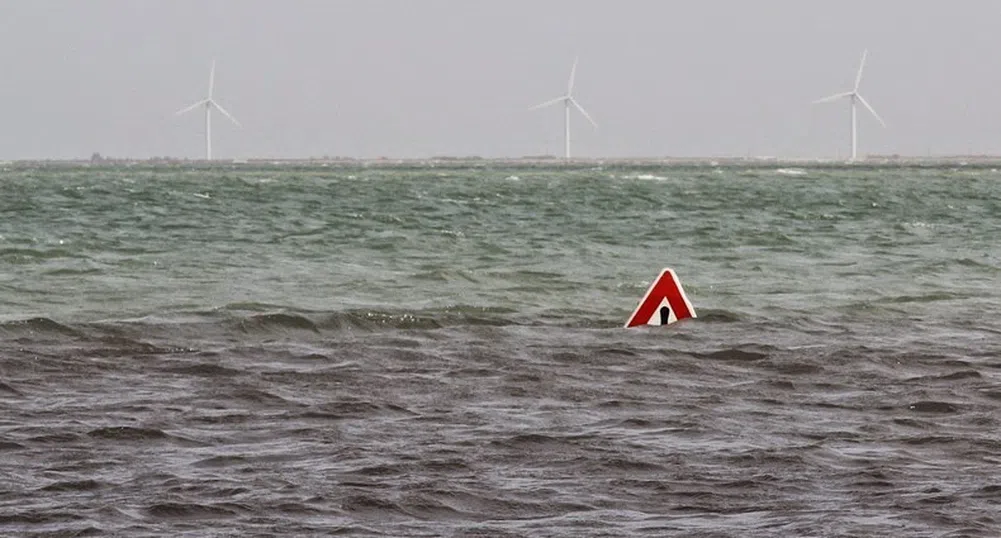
(871, 159)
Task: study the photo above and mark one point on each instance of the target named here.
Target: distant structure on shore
(855, 97)
(568, 100)
(209, 103)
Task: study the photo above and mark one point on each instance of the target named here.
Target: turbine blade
(834, 97)
(584, 112)
(861, 65)
(871, 110)
(192, 107)
(549, 102)
(211, 78)
(224, 113)
(573, 74)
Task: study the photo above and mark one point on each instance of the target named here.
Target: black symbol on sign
(665, 315)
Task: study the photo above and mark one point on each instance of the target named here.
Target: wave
(734, 355)
(40, 517)
(203, 370)
(719, 316)
(32, 326)
(222, 461)
(352, 409)
(7, 389)
(27, 255)
(924, 298)
(259, 322)
(178, 510)
(75, 485)
(933, 407)
(157, 333)
(128, 433)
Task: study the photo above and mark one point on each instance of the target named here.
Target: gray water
(417, 351)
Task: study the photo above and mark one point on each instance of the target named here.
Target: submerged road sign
(664, 303)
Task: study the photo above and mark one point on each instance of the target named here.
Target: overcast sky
(422, 78)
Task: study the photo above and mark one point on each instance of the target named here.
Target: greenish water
(532, 245)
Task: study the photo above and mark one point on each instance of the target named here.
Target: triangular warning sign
(664, 303)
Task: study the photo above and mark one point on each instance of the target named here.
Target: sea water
(417, 350)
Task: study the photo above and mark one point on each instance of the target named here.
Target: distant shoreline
(541, 161)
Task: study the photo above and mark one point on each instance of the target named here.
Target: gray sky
(421, 78)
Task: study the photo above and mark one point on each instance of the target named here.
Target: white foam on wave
(791, 172)
(645, 177)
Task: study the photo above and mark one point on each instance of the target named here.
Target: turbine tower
(568, 100)
(209, 103)
(855, 98)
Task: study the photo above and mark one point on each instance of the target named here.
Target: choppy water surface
(414, 351)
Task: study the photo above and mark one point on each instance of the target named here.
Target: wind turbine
(855, 98)
(209, 103)
(568, 100)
